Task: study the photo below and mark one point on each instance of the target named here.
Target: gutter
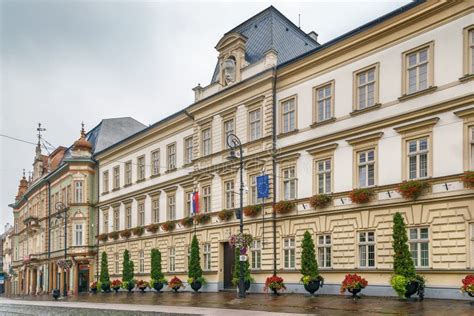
(274, 150)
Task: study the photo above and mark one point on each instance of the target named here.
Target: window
(78, 191)
(206, 141)
(207, 257)
(229, 194)
(324, 101)
(128, 173)
(471, 147)
(366, 87)
(141, 262)
(105, 226)
(418, 158)
(206, 198)
(171, 207)
(78, 235)
(253, 198)
(117, 263)
(419, 242)
(188, 202)
(172, 260)
(289, 252)
(155, 210)
(188, 150)
(69, 194)
(418, 69)
(116, 219)
(323, 171)
(289, 183)
(128, 216)
(105, 181)
(141, 214)
(255, 120)
(256, 253)
(366, 168)
(324, 251)
(366, 249)
(288, 115)
(469, 50)
(228, 129)
(117, 177)
(155, 163)
(141, 168)
(171, 157)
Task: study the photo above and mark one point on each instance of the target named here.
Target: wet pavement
(285, 303)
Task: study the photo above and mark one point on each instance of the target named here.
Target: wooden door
(229, 258)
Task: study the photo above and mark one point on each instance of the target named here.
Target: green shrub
(104, 271)
(399, 284)
(156, 274)
(127, 274)
(194, 266)
(236, 273)
(309, 264)
(402, 260)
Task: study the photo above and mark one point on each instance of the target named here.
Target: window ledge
(141, 180)
(320, 123)
(288, 133)
(467, 77)
(154, 176)
(367, 109)
(127, 185)
(189, 164)
(115, 189)
(170, 170)
(105, 192)
(417, 94)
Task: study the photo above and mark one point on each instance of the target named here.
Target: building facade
(6, 258)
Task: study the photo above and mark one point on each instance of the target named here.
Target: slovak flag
(195, 203)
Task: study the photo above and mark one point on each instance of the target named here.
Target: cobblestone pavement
(205, 303)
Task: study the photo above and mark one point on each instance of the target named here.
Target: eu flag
(263, 187)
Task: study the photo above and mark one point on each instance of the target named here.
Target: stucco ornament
(229, 71)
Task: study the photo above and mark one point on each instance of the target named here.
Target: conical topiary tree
(156, 275)
(104, 273)
(309, 264)
(127, 272)
(194, 265)
(236, 272)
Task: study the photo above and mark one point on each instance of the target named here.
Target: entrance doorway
(83, 277)
(229, 258)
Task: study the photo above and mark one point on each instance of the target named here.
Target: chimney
(198, 92)
(313, 35)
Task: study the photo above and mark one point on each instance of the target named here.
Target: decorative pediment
(231, 41)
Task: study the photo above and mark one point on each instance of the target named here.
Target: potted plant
(320, 201)
(127, 272)
(202, 218)
(362, 195)
(104, 273)
(152, 228)
(468, 285)
(412, 189)
(142, 285)
(157, 277)
(195, 278)
(311, 278)
(93, 287)
(284, 207)
(126, 233)
(405, 281)
(241, 241)
(252, 210)
(248, 279)
(468, 179)
(116, 285)
(187, 222)
(168, 226)
(103, 237)
(138, 231)
(114, 235)
(275, 284)
(225, 215)
(175, 283)
(353, 283)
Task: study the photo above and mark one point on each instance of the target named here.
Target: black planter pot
(116, 289)
(354, 292)
(158, 286)
(142, 289)
(196, 285)
(176, 288)
(411, 288)
(275, 292)
(105, 287)
(92, 290)
(130, 287)
(247, 285)
(56, 294)
(470, 294)
(312, 286)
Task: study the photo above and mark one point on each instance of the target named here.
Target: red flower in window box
(152, 228)
(412, 189)
(187, 221)
(202, 218)
(126, 233)
(252, 210)
(138, 231)
(468, 179)
(225, 215)
(103, 237)
(360, 196)
(320, 201)
(284, 207)
(168, 226)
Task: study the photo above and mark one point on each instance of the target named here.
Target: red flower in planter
(274, 282)
(168, 226)
(152, 228)
(225, 215)
(320, 200)
(468, 284)
(126, 233)
(353, 281)
(202, 218)
(138, 231)
(361, 195)
(103, 237)
(116, 284)
(252, 210)
(411, 189)
(284, 207)
(187, 222)
(468, 179)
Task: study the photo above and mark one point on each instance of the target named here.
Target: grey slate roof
(270, 29)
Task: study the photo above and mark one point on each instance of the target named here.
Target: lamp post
(60, 208)
(234, 144)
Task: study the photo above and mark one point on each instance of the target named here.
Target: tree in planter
(127, 274)
(195, 278)
(405, 281)
(157, 277)
(104, 273)
(309, 265)
(236, 273)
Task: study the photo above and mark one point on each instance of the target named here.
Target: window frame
(172, 259)
(283, 169)
(419, 241)
(366, 244)
(207, 256)
(105, 181)
(316, 100)
(116, 218)
(81, 232)
(355, 86)
(128, 173)
(116, 177)
(105, 221)
(188, 150)
(468, 58)
(141, 261)
(366, 164)
(171, 207)
(430, 68)
(256, 255)
(250, 122)
(155, 209)
(283, 102)
(141, 170)
(79, 191)
(206, 198)
(225, 132)
(128, 216)
(171, 157)
(229, 194)
(206, 143)
(324, 173)
(141, 217)
(155, 159)
(289, 250)
(324, 248)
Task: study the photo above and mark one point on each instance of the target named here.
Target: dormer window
(229, 70)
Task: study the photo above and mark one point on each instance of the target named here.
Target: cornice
(364, 138)
(428, 123)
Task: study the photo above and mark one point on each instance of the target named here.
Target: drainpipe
(274, 148)
(97, 224)
(49, 232)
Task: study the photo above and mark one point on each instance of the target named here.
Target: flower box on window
(138, 231)
(114, 235)
(103, 237)
(187, 221)
(203, 218)
(152, 228)
(252, 210)
(412, 189)
(126, 233)
(168, 226)
(284, 207)
(320, 201)
(468, 179)
(360, 196)
(225, 215)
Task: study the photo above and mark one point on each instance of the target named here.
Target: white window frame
(288, 115)
(364, 83)
(188, 150)
(141, 168)
(105, 181)
(128, 216)
(256, 254)
(171, 154)
(324, 176)
(206, 141)
(229, 128)
(155, 210)
(78, 234)
(128, 173)
(172, 259)
(229, 194)
(141, 213)
(255, 124)
(324, 96)
(207, 256)
(116, 172)
(171, 207)
(369, 247)
(116, 214)
(206, 198)
(289, 183)
(155, 162)
(141, 261)
(79, 191)
(418, 154)
(366, 166)
(417, 241)
(289, 253)
(325, 251)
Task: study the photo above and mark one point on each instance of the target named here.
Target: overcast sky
(63, 62)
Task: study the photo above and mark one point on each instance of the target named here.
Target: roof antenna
(299, 20)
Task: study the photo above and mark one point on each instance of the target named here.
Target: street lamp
(62, 208)
(234, 144)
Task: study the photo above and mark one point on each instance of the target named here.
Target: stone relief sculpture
(229, 71)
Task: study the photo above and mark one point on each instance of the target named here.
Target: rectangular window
(105, 181)
(171, 157)
(207, 256)
(117, 263)
(206, 141)
(105, 225)
(141, 261)
(116, 177)
(229, 194)
(324, 251)
(418, 158)
(141, 168)
(324, 102)
(289, 183)
(228, 129)
(288, 115)
(367, 249)
(289, 252)
(188, 203)
(471, 50)
(78, 235)
(206, 198)
(471, 147)
(141, 214)
(128, 173)
(69, 194)
(128, 216)
(253, 199)
(419, 243)
(171, 207)
(155, 162)
(188, 150)
(155, 210)
(323, 172)
(116, 219)
(255, 124)
(366, 168)
(256, 253)
(366, 88)
(418, 68)
(79, 191)
(172, 260)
